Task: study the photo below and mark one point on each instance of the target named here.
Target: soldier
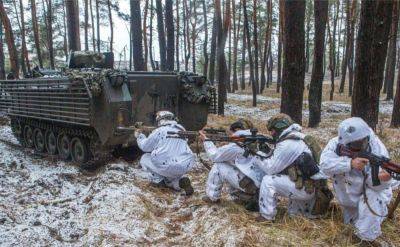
(167, 160)
(363, 204)
(291, 172)
(230, 166)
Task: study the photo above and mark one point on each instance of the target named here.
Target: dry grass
(299, 231)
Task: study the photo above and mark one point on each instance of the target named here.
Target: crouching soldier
(166, 160)
(364, 205)
(232, 168)
(292, 172)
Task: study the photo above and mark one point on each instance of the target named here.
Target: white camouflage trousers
(223, 173)
(367, 224)
(156, 178)
(272, 186)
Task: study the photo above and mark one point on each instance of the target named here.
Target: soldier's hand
(202, 135)
(137, 133)
(359, 163)
(384, 176)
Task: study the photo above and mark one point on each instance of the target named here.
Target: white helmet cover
(164, 115)
(353, 129)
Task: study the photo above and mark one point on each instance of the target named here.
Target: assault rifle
(375, 161)
(193, 135)
(250, 143)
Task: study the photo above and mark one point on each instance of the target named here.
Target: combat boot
(248, 185)
(186, 185)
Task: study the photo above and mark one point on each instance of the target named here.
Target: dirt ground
(46, 202)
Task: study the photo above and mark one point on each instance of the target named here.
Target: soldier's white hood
(353, 129)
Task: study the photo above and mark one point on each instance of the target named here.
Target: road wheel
(39, 140)
(79, 150)
(51, 142)
(64, 146)
(28, 136)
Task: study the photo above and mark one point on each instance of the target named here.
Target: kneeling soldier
(292, 172)
(230, 166)
(166, 159)
(364, 205)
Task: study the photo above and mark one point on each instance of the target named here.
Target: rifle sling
(366, 198)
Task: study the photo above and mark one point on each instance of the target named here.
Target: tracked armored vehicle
(89, 109)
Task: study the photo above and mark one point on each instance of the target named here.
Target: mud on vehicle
(84, 112)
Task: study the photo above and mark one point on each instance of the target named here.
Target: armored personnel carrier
(88, 109)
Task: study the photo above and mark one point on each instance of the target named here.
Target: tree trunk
(194, 35)
(255, 42)
(49, 18)
(293, 62)
(65, 33)
(136, 31)
(347, 50)
(205, 52)
(2, 57)
(98, 25)
(161, 35)
(211, 72)
(86, 24)
(23, 39)
(36, 34)
(280, 42)
(228, 82)
(111, 25)
(12, 50)
(222, 31)
(317, 75)
(92, 21)
(153, 66)
(243, 63)
(308, 29)
(170, 28)
(177, 38)
(248, 42)
(339, 41)
(72, 9)
(236, 28)
(373, 36)
(267, 45)
(351, 48)
(396, 106)
(391, 58)
(145, 46)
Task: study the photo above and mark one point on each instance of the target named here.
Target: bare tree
(86, 24)
(72, 9)
(36, 34)
(98, 25)
(25, 55)
(248, 42)
(211, 72)
(373, 36)
(145, 46)
(317, 75)
(236, 29)
(222, 31)
(12, 50)
(170, 29)
(136, 31)
(255, 43)
(205, 44)
(161, 35)
(92, 22)
(391, 57)
(110, 19)
(2, 57)
(294, 60)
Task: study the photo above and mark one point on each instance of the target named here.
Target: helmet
(247, 124)
(279, 122)
(164, 115)
(236, 125)
(353, 130)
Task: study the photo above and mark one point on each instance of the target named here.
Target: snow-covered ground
(46, 202)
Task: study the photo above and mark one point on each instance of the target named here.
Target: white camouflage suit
(165, 158)
(274, 184)
(230, 166)
(348, 182)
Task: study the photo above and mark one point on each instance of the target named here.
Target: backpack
(311, 143)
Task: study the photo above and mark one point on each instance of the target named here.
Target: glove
(137, 133)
